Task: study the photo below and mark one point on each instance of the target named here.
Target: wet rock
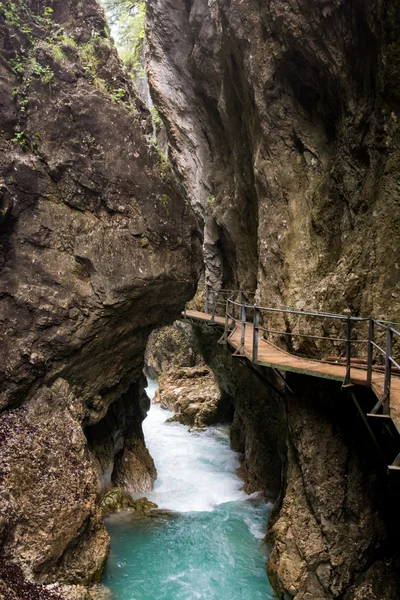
(283, 122)
(287, 138)
(329, 524)
(79, 592)
(118, 499)
(171, 347)
(192, 394)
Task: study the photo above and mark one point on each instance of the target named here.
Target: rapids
(211, 548)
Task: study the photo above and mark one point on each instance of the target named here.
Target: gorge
(276, 172)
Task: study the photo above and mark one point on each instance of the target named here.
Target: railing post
(256, 325)
(212, 305)
(243, 319)
(348, 352)
(226, 319)
(388, 370)
(371, 329)
(207, 299)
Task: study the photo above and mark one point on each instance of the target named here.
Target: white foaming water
(210, 549)
(196, 472)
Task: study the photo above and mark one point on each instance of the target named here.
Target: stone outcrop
(336, 511)
(97, 247)
(120, 500)
(283, 124)
(117, 445)
(191, 393)
(170, 347)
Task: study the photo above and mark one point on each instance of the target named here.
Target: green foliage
(20, 139)
(89, 59)
(25, 68)
(24, 143)
(10, 12)
(163, 160)
(46, 18)
(57, 54)
(18, 13)
(42, 71)
(127, 19)
(17, 64)
(211, 201)
(63, 39)
(118, 95)
(156, 117)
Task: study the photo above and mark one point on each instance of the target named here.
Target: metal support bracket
(287, 386)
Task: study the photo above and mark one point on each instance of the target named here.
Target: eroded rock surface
(97, 247)
(258, 424)
(334, 515)
(171, 347)
(119, 499)
(192, 393)
(283, 121)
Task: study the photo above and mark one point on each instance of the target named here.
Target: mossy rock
(119, 499)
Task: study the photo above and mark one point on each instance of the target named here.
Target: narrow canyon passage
(211, 545)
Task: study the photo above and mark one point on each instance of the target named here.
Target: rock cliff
(283, 123)
(97, 247)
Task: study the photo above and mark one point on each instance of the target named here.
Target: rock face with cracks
(283, 122)
(171, 347)
(97, 247)
(192, 393)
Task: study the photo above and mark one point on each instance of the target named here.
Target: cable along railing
(362, 343)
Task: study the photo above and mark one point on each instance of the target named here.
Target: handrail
(230, 306)
(294, 311)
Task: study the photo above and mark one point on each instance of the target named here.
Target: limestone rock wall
(170, 347)
(337, 515)
(283, 122)
(97, 247)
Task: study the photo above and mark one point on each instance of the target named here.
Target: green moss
(21, 140)
(211, 201)
(11, 14)
(165, 199)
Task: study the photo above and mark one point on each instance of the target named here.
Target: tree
(127, 19)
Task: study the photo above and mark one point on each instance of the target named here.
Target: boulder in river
(192, 393)
(119, 499)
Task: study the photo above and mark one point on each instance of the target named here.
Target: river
(212, 549)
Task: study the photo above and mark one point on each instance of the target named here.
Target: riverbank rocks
(192, 393)
(79, 592)
(118, 499)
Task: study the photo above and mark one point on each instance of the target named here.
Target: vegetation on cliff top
(127, 20)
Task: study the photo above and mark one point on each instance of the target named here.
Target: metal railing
(355, 337)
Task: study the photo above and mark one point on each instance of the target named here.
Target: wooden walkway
(270, 355)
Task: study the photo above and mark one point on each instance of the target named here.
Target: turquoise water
(211, 548)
